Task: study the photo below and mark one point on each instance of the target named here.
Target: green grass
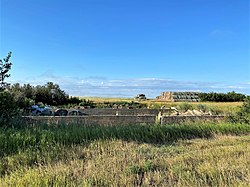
(220, 107)
(125, 155)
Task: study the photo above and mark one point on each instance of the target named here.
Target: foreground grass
(135, 155)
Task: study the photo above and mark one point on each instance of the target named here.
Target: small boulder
(61, 112)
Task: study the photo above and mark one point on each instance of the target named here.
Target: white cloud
(152, 87)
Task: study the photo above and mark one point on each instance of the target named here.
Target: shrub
(202, 107)
(8, 107)
(88, 103)
(185, 106)
(74, 100)
(243, 115)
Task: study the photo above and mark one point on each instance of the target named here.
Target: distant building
(179, 96)
(140, 97)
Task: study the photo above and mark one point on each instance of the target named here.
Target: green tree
(8, 107)
(5, 66)
(244, 114)
(51, 94)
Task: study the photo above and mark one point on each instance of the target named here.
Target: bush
(74, 100)
(87, 103)
(185, 106)
(49, 94)
(202, 107)
(8, 107)
(243, 115)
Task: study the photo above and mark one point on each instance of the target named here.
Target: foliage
(135, 155)
(185, 106)
(49, 94)
(202, 107)
(243, 116)
(121, 104)
(87, 103)
(74, 100)
(5, 66)
(222, 97)
(8, 108)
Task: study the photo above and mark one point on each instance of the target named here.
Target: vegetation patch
(125, 155)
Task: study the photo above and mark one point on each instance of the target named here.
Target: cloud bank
(152, 87)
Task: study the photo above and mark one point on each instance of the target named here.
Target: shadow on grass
(31, 145)
(23, 136)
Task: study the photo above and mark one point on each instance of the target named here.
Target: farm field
(125, 155)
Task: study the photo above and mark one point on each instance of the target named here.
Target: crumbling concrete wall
(128, 112)
(94, 120)
(120, 120)
(184, 119)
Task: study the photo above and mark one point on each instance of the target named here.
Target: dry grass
(103, 99)
(224, 107)
(218, 161)
(223, 161)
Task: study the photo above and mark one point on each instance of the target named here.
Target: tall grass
(13, 140)
(123, 155)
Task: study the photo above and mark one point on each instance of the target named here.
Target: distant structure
(179, 96)
(140, 97)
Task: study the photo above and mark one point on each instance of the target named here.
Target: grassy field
(107, 99)
(222, 107)
(135, 155)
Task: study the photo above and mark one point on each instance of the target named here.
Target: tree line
(222, 97)
(48, 94)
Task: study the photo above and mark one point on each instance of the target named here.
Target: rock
(76, 113)
(163, 107)
(176, 113)
(173, 108)
(61, 112)
(188, 113)
(197, 113)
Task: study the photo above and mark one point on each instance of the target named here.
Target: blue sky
(119, 48)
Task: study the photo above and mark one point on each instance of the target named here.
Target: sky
(120, 48)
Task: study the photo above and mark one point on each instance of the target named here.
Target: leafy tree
(222, 97)
(243, 115)
(8, 108)
(51, 94)
(5, 66)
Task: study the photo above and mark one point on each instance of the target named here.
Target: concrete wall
(118, 120)
(127, 112)
(182, 119)
(94, 120)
